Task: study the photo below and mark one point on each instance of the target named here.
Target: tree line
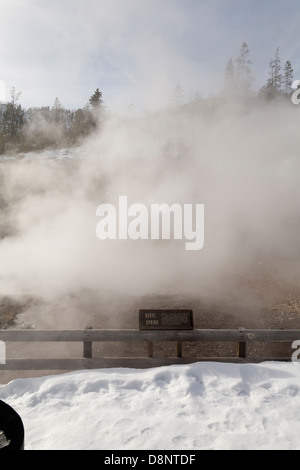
(238, 81)
(239, 77)
(37, 128)
(56, 127)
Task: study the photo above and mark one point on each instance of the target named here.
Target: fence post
(2, 353)
(88, 347)
(179, 349)
(150, 348)
(241, 350)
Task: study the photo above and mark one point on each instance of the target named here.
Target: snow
(206, 405)
(58, 154)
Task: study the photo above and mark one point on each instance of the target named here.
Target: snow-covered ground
(59, 154)
(187, 407)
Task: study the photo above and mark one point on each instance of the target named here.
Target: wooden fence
(87, 337)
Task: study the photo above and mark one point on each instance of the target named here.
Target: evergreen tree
(196, 97)
(273, 87)
(275, 77)
(288, 77)
(82, 124)
(177, 96)
(96, 99)
(57, 112)
(13, 118)
(243, 75)
(238, 75)
(229, 77)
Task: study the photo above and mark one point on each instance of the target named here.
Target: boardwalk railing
(87, 337)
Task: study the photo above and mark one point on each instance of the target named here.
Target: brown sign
(166, 319)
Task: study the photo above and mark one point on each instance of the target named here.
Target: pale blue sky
(136, 51)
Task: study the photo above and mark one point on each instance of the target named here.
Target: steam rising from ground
(241, 161)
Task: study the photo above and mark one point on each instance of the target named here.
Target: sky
(137, 51)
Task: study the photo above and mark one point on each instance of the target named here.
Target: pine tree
(196, 97)
(229, 77)
(243, 75)
(82, 125)
(273, 87)
(96, 99)
(13, 118)
(288, 77)
(275, 76)
(177, 96)
(57, 112)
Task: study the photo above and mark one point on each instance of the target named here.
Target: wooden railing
(87, 337)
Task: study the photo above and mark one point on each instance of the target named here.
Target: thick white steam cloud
(241, 161)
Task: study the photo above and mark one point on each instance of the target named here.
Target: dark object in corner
(12, 428)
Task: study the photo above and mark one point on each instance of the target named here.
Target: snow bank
(187, 407)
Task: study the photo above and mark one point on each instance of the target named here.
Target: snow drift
(190, 407)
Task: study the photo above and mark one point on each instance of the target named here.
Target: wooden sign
(154, 319)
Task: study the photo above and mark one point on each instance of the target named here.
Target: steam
(240, 160)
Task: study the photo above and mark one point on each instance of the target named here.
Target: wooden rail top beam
(90, 335)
